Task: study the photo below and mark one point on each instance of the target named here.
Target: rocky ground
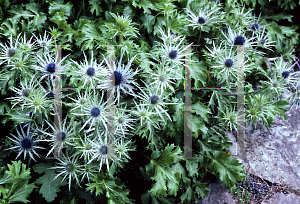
(272, 162)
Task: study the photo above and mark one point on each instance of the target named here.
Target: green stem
(121, 38)
(199, 37)
(167, 24)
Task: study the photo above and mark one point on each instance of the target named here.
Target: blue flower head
(254, 27)
(50, 68)
(285, 74)
(228, 63)
(118, 78)
(11, 52)
(27, 143)
(239, 40)
(95, 112)
(173, 54)
(90, 71)
(201, 20)
(69, 167)
(103, 150)
(61, 136)
(26, 92)
(154, 99)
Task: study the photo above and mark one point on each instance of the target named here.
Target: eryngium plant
(139, 157)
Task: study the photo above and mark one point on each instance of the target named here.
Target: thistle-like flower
(25, 91)
(44, 42)
(70, 168)
(144, 113)
(123, 122)
(89, 171)
(48, 65)
(243, 17)
(224, 65)
(229, 118)
(263, 39)
(94, 111)
(38, 102)
(84, 147)
(25, 143)
(172, 52)
(215, 52)
(206, 17)
(163, 77)
(120, 78)
(27, 45)
(234, 38)
(155, 101)
(21, 63)
(122, 147)
(9, 51)
(102, 150)
(59, 136)
(81, 101)
(90, 73)
(256, 25)
(285, 71)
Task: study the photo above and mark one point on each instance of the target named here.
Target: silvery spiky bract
(69, 168)
(25, 143)
(120, 78)
(90, 72)
(94, 111)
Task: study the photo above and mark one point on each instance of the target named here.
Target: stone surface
(280, 198)
(274, 157)
(218, 194)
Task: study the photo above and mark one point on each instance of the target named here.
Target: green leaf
(50, 187)
(8, 27)
(226, 167)
(196, 125)
(16, 179)
(95, 7)
(186, 197)
(4, 107)
(281, 16)
(201, 109)
(147, 22)
(192, 167)
(21, 194)
(60, 6)
(159, 170)
(116, 193)
(145, 4)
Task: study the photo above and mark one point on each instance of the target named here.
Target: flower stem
(199, 37)
(120, 38)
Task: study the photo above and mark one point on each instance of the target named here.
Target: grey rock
(280, 198)
(274, 157)
(218, 194)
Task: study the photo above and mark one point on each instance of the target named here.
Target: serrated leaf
(21, 194)
(16, 179)
(227, 168)
(281, 16)
(95, 7)
(145, 4)
(201, 109)
(60, 6)
(162, 173)
(116, 194)
(186, 197)
(148, 22)
(192, 167)
(50, 187)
